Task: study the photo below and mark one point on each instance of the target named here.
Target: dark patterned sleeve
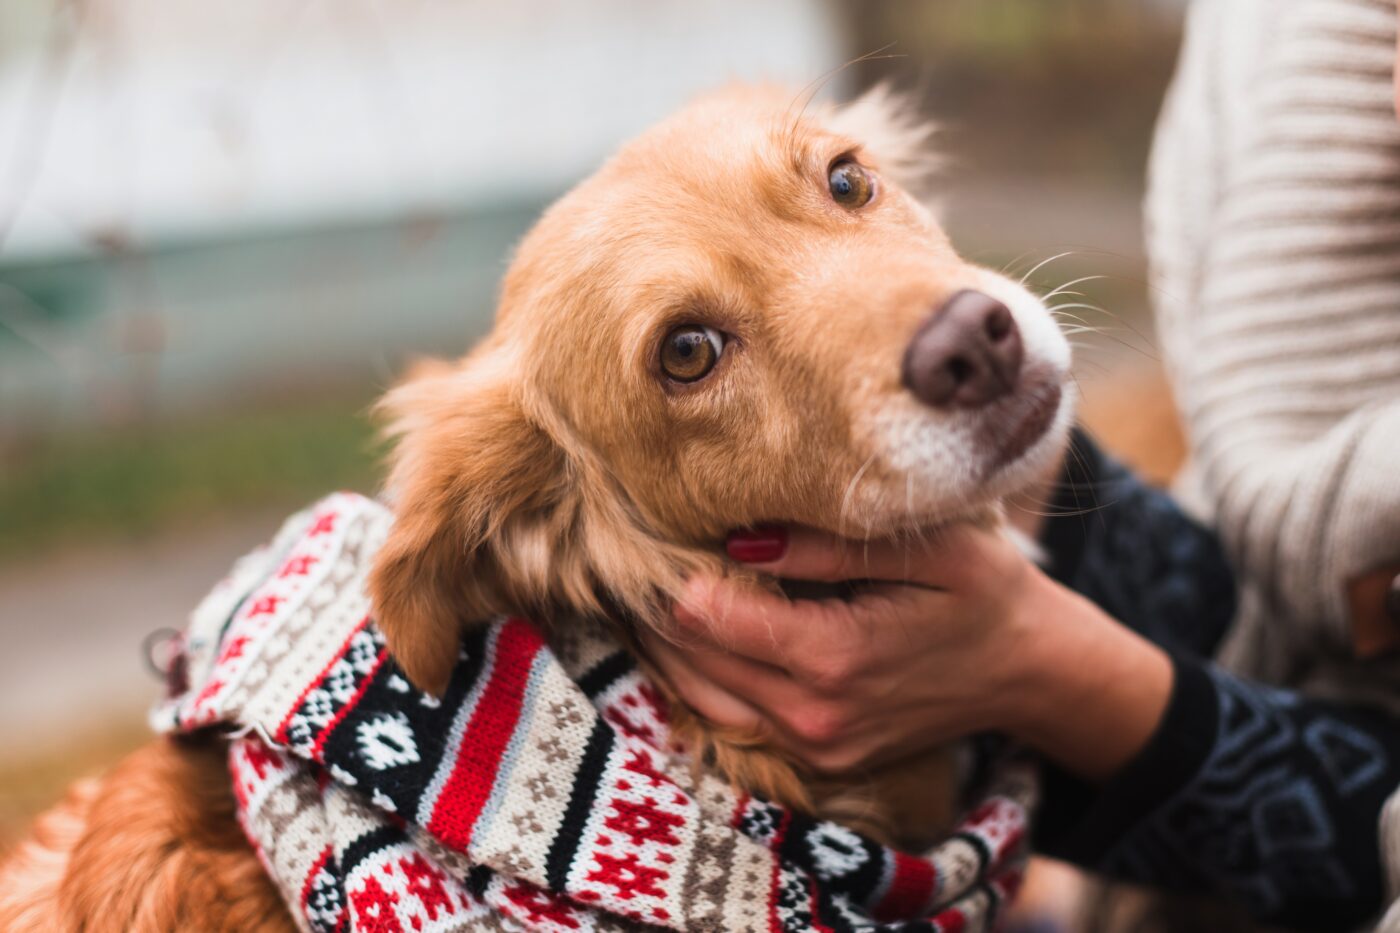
(1132, 550)
(1267, 798)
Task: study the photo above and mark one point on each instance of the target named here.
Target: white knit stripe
(1355, 22)
(1323, 209)
(292, 831)
(453, 746)
(1291, 283)
(323, 626)
(533, 797)
(1270, 240)
(1331, 380)
(1262, 439)
(1363, 299)
(1355, 335)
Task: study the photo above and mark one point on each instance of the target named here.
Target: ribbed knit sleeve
(1274, 227)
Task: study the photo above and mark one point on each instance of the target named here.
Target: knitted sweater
(1274, 230)
(541, 791)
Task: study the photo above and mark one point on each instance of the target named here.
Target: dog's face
(743, 317)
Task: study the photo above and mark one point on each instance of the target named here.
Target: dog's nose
(966, 354)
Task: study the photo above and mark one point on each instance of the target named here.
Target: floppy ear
(891, 128)
(469, 473)
(494, 516)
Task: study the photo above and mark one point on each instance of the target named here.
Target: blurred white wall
(205, 201)
(173, 119)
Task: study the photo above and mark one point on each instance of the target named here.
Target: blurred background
(224, 227)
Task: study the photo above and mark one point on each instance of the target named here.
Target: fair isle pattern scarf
(540, 792)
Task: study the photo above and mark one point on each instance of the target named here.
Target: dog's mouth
(1009, 432)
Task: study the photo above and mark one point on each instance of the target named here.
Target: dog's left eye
(851, 185)
(690, 351)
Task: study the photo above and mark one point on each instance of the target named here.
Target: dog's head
(743, 317)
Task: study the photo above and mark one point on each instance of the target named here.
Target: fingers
(741, 618)
(939, 557)
(801, 637)
(731, 691)
(702, 694)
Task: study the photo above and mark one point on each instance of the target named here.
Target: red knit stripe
(776, 882)
(910, 890)
(486, 737)
(951, 920)
(814, 899)
(281, 735)
(316, 867)
(737, 817)
(318, 750)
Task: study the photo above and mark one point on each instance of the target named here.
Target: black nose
(966, 354)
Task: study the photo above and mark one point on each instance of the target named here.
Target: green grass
(119, 484)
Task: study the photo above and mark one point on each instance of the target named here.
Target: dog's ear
(493, 516)
(890, 127)
(471, 479)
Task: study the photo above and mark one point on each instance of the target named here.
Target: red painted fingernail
(760, 545)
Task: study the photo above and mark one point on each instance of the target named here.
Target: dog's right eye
(851, 186)
(690, 351)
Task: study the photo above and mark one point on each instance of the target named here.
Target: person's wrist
(1032, 670)
(1085, 691)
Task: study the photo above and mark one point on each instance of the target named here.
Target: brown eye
(851, 186)
(690, 351)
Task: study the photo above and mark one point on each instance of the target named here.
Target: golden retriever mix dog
(744, 317)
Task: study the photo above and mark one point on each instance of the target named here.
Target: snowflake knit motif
(541, 791)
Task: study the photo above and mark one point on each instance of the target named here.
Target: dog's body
(741, 318)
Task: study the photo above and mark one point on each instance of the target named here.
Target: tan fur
(151, 846)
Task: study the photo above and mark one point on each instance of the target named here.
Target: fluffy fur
(554, 471)
(153, 845)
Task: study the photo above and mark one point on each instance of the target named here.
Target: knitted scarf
(540, 792)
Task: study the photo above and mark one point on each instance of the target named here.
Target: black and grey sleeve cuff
(1081, 822)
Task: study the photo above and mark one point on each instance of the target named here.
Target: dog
(747, 315)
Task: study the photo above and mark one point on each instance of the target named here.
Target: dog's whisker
(1084, 305)
(1072, 283)
(814, 87)
(847, 497)
(1043, 263)
(1066, 316)
(1008, 268)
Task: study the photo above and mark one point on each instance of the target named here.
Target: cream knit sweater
(1274, 230)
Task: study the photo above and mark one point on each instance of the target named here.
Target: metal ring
(160, 639)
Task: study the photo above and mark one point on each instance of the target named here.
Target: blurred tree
(1082, 78)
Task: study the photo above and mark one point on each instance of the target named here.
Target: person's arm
(1204, 805)
(1276, 277)
(1265, 797)
(944, 638)
(981, 640)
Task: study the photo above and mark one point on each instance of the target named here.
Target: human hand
(946, 637)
